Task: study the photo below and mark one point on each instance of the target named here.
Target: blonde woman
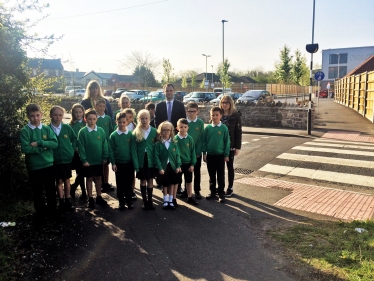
(92, 94)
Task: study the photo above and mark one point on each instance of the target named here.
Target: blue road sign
(319, 76)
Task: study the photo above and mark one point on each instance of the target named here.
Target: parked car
(118, 93)
(77, 93)
(154, 97)
(108, 93)
(201, 97)
(255, 96)
(218, 91)
(69, 88)
(134, 94)
(234, 96)
(179, 95)
(187, 96)
(324, 94)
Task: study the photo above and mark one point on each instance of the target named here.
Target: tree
(223, 73)
(283, 69)
(184, 82)
(143, 66)
(168, 69)
(193, 81)
(299, 68)
(145, 76)
(202, 84)
(15, 87)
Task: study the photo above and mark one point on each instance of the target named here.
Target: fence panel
(357, 92)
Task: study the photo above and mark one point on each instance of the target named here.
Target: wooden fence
(357, 92)
(278, 89)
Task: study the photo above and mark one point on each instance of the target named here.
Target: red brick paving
(341, 204)
(348, 135)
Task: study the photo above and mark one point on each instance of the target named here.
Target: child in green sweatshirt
(77, 123)
(187, 151)
(145, 137)
(196, 130)
(105, 122)
(38, 142)
(122, 156)
(93, 151)
(216, 150)
(63, 156)
(168, 163)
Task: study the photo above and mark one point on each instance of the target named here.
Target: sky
(98, 35)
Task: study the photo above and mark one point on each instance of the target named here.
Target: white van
(218, 91)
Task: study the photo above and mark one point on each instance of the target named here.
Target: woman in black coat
(93, 93)
(232, 119)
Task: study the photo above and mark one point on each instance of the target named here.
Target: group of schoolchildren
(91, 141)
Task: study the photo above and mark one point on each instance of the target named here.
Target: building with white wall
(336, 63)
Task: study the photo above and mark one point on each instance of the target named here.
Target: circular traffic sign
(319, 76)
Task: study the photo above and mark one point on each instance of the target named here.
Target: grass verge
(10, 212)
(336, 248)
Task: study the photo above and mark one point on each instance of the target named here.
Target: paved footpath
(338, 161)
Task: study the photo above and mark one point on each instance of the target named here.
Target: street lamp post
(212, 77)
(223, 49)
(206, 66)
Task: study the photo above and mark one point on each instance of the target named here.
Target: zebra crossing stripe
(339, 141)
(340, 145)
(332, 150)
(319, 175)
(327, 160)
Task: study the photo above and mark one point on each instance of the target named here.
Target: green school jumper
(186, 149)
(77, 126)
(196, 130)
(122, 149)
(146, 144)
(67, 142)
(162, 155)
(216, 140)
(39, 157)
(106, 124)
(92, 146)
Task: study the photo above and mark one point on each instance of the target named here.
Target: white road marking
(255, 139)
(319, 175)
(328, 160)
(346, 142)
(332, 150)
(340, 145)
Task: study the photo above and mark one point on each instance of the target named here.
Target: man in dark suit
(170, 110)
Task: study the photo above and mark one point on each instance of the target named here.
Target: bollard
(309, 120)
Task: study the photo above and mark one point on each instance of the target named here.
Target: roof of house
(76, 74)
(100, 75)
(125, 78)
(45, 63)
(367, 65)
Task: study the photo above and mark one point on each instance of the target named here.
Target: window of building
(57, 73)
(338, 58)
(34, 72)
(334, 73)
(46, 72)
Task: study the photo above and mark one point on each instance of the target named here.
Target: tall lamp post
(206, 67)
(223, 49)
(212, 77)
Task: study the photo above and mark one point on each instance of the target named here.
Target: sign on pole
(319, 76)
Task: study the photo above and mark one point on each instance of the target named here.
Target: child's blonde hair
(159, 129)
(56, 107)
(75, 106)
(138, 132)
(100, 101)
